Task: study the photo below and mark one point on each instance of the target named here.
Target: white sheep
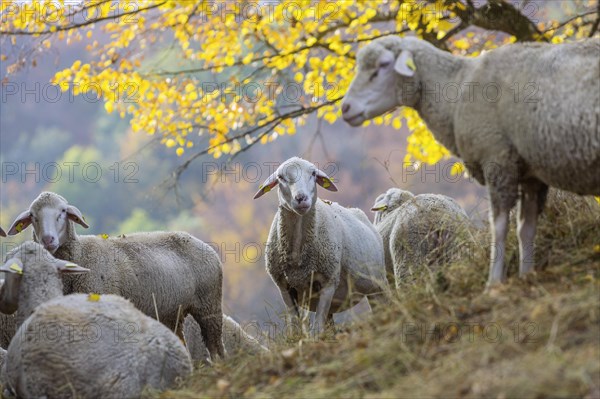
(171, 274)
(235, 340)
(522, 117)
(7, 322)
(336, 249)
(418, 230)
(81, 345)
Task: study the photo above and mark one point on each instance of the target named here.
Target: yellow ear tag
(70, 265)
(411, 64)
(381, 208)
(104, 236)
(326, 183)
(326, 201)
(16, 268)
(19, 227)
(267, 189)
(93, 297)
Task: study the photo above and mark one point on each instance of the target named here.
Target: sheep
(518, 143)
(235, 340)
(7, 323)
(164, 274)
(319, 251)
(83, 345)
(417, 230)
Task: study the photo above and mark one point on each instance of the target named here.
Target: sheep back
(73, 346)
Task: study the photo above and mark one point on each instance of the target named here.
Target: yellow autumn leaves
(181, 69)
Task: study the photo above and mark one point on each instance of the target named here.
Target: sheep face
(297, 180)
(389, 201)
(50, 215)
(383, 82)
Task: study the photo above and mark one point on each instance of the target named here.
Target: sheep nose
(47, 239)
(345, 108)
(301, 197)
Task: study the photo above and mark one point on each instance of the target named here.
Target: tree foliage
(216, 78)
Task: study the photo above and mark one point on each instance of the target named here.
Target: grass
(536, 337)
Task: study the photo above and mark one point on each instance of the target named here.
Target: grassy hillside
(442, 337)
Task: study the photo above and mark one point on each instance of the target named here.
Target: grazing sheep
(80, 345)
(335, 248)
(417, 230)
(235, 340)
(164, 273)
(522, 117)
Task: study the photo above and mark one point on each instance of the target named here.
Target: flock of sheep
(107, 317)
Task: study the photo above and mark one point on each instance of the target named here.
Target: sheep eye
(314, 173)
(374, 75)
(280, 177)
(384, 64)
(64, 210)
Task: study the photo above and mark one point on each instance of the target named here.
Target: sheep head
(388, 201)
(297, 180)
(50, 215)
(29, 261)
(386, 78)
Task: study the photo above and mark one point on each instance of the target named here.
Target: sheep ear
(2, 233)
(13, 265)
(380, 206)
(267, 185)
(69, 267)
(405, 64)
(325, 181)
(21, 223)
(75, 215)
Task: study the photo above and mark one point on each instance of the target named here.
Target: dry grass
(442, 337)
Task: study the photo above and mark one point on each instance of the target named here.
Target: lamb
(171, 274)
(418, 230)
(319, 252)
(80, 345)
(518, 143)
(235, 340)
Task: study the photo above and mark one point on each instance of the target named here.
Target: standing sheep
(516, 142)
(417, 230)
(164, 273)
(80, 345)
(336, 249)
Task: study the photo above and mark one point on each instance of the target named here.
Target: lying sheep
(335, 248)
(516, 143)
(169, 274)
(80, 345)
(235, 340)
(417, 230)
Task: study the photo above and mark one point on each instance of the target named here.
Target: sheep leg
(325, 299)
(531, 200)
(211, 327)
(293, 316)
(503, 186)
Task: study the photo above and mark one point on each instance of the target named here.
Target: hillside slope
(442, 337)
